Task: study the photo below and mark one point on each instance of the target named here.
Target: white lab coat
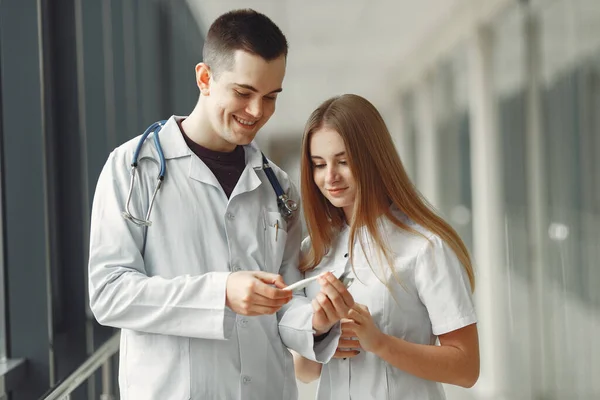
(164, 286)
(434, 297)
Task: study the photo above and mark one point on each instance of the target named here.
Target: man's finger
(262, 310)
(268, 302)
(270, 292)
(279, 282)
(268, 277)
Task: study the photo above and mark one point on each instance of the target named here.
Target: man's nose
(255, 108)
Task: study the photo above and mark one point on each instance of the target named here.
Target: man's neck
(198, 129)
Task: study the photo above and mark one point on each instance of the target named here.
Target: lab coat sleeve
(295, 318)
(122, 295)
(444, 288)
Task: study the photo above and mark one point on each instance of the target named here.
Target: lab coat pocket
(157, 366)
(275, 237)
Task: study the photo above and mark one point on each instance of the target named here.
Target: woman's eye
(319, 166)
(343, 162)
(240, 94)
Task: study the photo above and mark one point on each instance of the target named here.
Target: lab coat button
(243, 322)
(230, 216)
(236, 268)
(246, 380)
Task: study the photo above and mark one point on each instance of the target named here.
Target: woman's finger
(317, 309)
(355, 327)
(335, 297)
(348, 344)
(346, 353)
(356, 318)
(327, 307)
(361, 309)
(346, 331)
(340, 288)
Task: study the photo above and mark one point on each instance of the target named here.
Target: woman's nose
(332, 175)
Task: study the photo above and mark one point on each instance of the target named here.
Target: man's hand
(249, 293)
(348, 346)
(331, 304)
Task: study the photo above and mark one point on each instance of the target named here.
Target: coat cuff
(297, 333)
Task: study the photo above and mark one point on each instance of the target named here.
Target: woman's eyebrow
(341, 153)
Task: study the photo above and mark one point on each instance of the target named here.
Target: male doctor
(198, 295)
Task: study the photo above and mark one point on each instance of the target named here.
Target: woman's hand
(348, 346)
(331, 304)
(362, 324)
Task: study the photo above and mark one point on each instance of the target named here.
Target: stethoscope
(286, 206)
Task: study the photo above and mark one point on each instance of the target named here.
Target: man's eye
(240, 94)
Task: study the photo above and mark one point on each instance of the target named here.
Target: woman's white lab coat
(164, 286)
(427, 295)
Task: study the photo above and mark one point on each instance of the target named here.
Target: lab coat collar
(248, 181)
(172, 142)
(253, 156)
(174, 146)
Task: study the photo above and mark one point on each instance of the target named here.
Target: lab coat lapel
(249, 179)
(201, 173)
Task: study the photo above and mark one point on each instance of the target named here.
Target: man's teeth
(244, 122)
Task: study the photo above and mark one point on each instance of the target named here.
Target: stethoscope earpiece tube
(286, 206)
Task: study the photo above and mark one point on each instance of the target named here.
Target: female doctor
(412, 273)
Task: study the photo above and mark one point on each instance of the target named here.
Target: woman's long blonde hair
(381, 181)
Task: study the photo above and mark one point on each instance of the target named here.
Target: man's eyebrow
(255, 90)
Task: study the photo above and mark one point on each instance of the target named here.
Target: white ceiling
(339, 47)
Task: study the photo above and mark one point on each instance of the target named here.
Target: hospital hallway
(492, 105)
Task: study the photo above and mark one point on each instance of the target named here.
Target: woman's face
(331, 171)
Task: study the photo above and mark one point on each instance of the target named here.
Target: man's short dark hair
(245, 30)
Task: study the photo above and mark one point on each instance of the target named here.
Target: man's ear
(203, 78)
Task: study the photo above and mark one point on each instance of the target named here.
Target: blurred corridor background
(493, 105)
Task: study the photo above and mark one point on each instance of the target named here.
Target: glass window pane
(453, 136)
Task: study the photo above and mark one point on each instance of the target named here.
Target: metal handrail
(81, 374)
